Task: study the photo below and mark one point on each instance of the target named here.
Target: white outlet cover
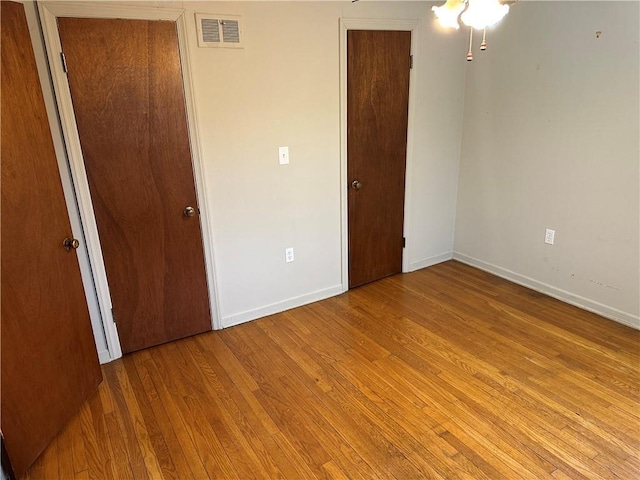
(549, 236)
(288, 255)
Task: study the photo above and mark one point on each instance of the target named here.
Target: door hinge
(113, 316)
(64, 62)
(410, 62)
(404, 242)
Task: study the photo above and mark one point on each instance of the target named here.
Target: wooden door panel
(377, 114)
(49, 360)
(127, 92)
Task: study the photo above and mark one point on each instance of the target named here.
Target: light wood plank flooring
(447, 372)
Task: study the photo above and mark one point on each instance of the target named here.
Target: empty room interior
(320, 239)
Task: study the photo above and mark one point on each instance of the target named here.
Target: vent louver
(219, 30)
(210, 30)
(231, 31)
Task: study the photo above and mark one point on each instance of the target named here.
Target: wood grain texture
(127, 92)
(446, 373)
(49, 360)
(377, 114)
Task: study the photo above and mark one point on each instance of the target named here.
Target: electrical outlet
(288, 255)
(283, 155)
(549, 236)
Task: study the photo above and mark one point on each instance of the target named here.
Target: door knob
(356, 185)
(69, 243)
(189, 212)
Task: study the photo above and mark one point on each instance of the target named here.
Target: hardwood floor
(447, 372)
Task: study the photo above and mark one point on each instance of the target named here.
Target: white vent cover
(219, 30)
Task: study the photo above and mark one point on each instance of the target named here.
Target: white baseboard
(429, 261)
(104, 357)
(248, 315)
(567, 297)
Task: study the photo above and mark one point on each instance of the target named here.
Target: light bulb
(483, 13)
(448, 13)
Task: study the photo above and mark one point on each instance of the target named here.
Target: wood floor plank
(239, 391)
(239, 422)
(77, 445)
(216, 346)
(344, 455)
(329, 440)
(104, 451)
(334, 471)
(204, 433)
(145, 393)
(448, 372)
(274, 401)
(211, 449)
(117, 447)
(490, 424)
(115, 375)
(427, 456)
(318, 427)
(94, 434)
(143, 435)
(248, 411)
(172, 421)
(302, 468)
(65, 455)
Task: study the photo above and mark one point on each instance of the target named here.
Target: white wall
(283, 89)
(551, 140)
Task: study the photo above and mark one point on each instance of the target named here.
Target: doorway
(157, 217)
(378, 64)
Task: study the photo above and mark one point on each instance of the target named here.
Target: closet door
(378, 66)
(49, 363)
(128, 98)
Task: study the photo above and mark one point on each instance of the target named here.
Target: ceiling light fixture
(478, 14)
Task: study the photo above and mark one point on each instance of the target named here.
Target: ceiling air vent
(219, 30)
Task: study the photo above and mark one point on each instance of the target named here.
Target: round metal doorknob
(189, 212)
(356, 185)
(69, 243)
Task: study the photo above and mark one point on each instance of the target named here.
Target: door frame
(49, 13)
(374, 24)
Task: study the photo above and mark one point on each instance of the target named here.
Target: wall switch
(283, 155)
(288, 255)
(549, 236)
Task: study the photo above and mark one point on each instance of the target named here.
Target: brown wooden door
(127, 92)
(377, 111)
(49, 359)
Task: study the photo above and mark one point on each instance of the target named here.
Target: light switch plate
(283, 155)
